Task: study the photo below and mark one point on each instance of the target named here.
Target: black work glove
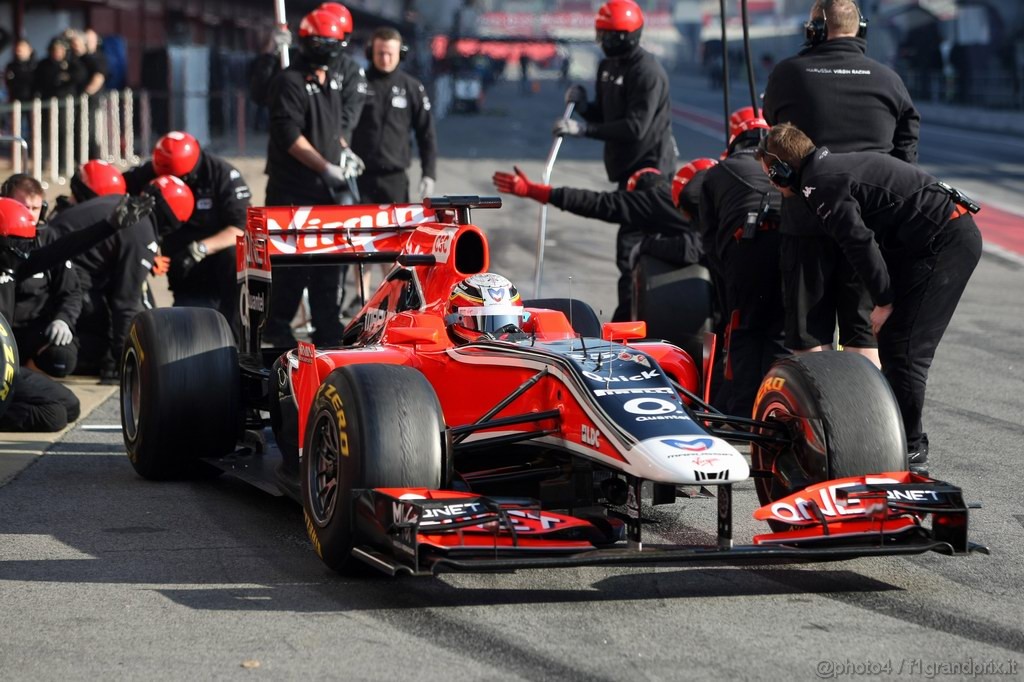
(188, 258)
(131, 210)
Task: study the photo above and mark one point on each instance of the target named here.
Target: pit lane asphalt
(103, 574)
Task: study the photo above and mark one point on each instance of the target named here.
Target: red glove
(521, 186)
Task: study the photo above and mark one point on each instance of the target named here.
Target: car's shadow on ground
(81, 515)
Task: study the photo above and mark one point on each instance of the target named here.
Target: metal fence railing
(51, 137)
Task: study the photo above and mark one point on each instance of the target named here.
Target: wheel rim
(323, 468)
(131, 394)
(780, 458)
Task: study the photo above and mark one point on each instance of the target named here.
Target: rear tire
(370, 426)
(842, 416)
(581, 316)
(180, 391)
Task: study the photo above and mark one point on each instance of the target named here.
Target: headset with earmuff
(816, 30)
(402, 50)
(780, 173)
(7, 189)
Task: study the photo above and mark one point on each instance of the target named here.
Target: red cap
(176, 153)
(687, 173)
(341, 12)
(15, 219)
(177, 195)
(101, 178)
(324, 24)
(619, 15)
(635, 177)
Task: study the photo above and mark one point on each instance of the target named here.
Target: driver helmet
(484, 303)
(322, 35)
(619, 24)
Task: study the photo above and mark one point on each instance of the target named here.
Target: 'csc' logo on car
(690, 445)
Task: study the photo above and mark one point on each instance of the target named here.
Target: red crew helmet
(97, 178)
(685, 174)
(176, 153)
(744, 114)
(177, 195)
(745, 127)
(321, 23)
(619, 15)
(634, 179)
(341, 12)
(16, 220)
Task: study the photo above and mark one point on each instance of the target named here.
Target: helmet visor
(491, 319)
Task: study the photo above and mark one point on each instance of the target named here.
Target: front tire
(370, 426)
(843, 419)
(180, 391)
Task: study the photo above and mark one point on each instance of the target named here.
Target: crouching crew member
(911, 240)
(739, 213)
(34, 402)
(48, 303)
(202, 251)
(114, 271)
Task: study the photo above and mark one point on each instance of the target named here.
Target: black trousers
(928, 286)
(211, 283)
(384, 188)
(324, 282)
(39, 404)
(626, 238)
(753, 284)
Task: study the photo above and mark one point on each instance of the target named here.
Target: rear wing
(288, 236)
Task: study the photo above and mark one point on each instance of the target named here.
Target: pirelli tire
(841, 416)
(9, 363)
(370, 426)
(581, 316)
(180, 392)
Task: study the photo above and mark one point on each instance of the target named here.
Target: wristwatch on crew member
(201, 248)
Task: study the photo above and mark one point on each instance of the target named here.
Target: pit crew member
(631, 114)
(910, 238)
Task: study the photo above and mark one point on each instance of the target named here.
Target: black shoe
(918, 461)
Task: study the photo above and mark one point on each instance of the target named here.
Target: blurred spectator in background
(57, 75)
(20, 72)
(524, 73)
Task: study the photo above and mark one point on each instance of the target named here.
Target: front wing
(425, 532)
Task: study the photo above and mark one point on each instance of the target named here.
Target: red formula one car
(456, 427)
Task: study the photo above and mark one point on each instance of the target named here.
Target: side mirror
(624, 331)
